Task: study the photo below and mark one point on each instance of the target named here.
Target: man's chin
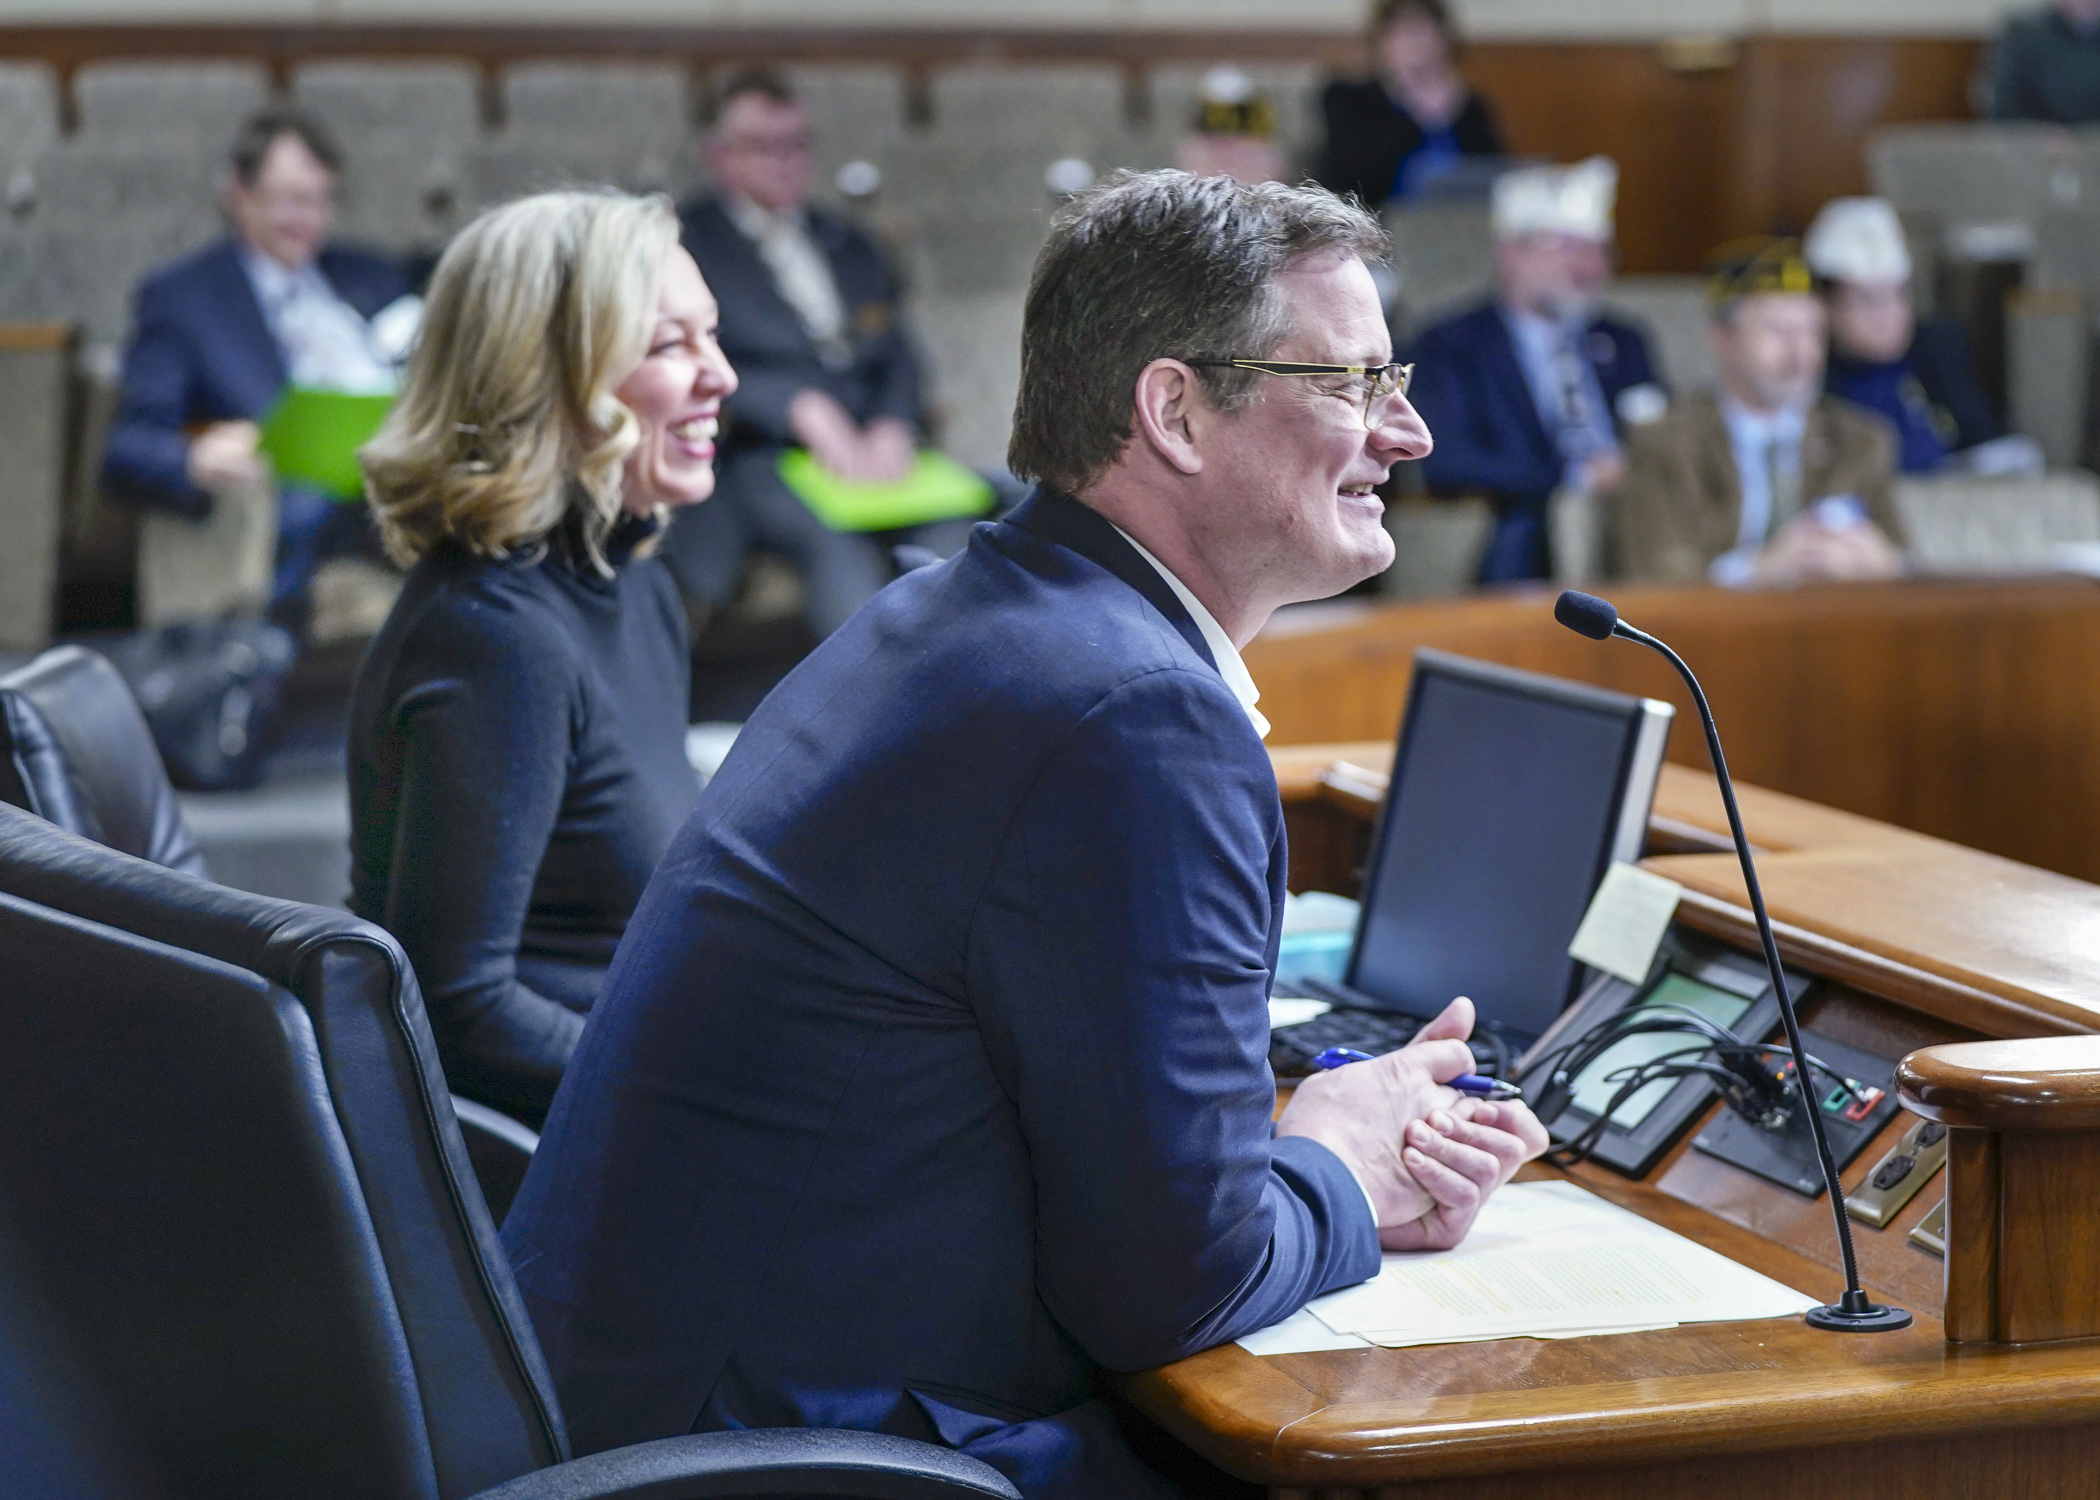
(1361, 558)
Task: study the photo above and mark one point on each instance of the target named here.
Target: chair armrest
(500, 1150)
(811, 1463)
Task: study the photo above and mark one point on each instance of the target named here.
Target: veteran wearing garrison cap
(1533, 391)
(1915, 372)
(1765, 479)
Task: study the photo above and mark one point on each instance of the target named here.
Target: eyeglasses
(1380, 382)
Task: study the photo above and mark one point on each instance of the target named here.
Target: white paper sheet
(1300, 1333)
(1293, 1010)
(1548, 1260)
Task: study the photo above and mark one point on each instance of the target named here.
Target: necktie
(1783, 485)
(1576, 436)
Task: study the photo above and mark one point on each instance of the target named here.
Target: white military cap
(1573, 200)
(1857, 239)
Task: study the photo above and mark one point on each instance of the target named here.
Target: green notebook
(312, 438)
(937, 489)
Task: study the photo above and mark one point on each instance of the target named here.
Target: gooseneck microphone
(1586, 614)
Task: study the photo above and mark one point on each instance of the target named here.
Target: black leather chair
(229, 1159)
(75, 750)
(54, 1439)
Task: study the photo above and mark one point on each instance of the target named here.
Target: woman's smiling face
(676, 394)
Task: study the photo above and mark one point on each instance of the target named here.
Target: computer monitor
(1511, 795)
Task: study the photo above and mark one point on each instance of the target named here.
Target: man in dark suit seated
(218, 335)
(932, 1075)
(1532, 391)
(810, 322)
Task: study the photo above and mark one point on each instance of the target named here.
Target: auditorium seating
(232, 1170)
(1970, 527)
(962, 195)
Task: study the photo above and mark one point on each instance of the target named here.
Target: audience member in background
(1916, 374)
(2046, 65)
(219, 335)
(1765, 480)
(1532, 391)
(935, 1074)
(517, 731)
(1234, 132)
(1392, 135)
(810, 320)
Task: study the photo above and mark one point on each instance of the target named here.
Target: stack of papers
(1544, 1260)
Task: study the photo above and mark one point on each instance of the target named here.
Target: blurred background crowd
(1742, 305)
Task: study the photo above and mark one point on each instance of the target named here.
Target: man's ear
(1167, 398)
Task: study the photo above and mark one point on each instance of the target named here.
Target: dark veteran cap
(1746, 268)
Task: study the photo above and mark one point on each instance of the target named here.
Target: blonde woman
(517, 731)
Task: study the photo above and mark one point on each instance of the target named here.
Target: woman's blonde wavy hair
(507, 423)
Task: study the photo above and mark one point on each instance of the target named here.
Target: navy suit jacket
(201, 352)
(931, 1075)
(1470, 388)
(765, 340)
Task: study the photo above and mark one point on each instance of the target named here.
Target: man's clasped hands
(1427, 1155)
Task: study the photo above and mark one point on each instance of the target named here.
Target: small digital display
(1593, 1095)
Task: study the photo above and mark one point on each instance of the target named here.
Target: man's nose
(1398, 432)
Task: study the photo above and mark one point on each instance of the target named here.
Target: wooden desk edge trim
(2019, 1085)
(1920, 989)
(1352, 1445)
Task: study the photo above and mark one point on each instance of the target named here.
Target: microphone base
(1873, 1317)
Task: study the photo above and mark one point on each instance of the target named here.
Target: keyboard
(1293, 1048)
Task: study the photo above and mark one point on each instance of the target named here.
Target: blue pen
(1466, 1083)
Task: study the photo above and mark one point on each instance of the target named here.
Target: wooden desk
(1917, 942)
(1966, 710)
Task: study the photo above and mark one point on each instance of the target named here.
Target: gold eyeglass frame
(1393, 379)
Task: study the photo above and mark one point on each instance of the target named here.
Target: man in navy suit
(931, 1077)
(1531, 392)
(810, 320)
(218, 335)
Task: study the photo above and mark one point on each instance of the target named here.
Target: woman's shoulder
(483, 610)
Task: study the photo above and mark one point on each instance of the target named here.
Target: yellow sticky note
(1626, 922)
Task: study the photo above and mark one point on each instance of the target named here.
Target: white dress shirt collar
(1227, 655)
(801, 273)
(1752, 436)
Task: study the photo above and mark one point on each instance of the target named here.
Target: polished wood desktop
(1917, 943)
(1960, 709)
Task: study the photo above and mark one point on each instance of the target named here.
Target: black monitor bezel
(1430, 663)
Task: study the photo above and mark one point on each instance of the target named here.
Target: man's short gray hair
(1158, 265)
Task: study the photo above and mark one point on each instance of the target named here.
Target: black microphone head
(1586, 614)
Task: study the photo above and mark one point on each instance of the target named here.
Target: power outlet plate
(1898, 1176)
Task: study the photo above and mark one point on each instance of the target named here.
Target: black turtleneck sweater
(517, 767)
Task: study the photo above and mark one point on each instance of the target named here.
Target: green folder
(312, 438)
(937, 489)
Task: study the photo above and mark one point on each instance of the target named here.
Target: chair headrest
(75, 750)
